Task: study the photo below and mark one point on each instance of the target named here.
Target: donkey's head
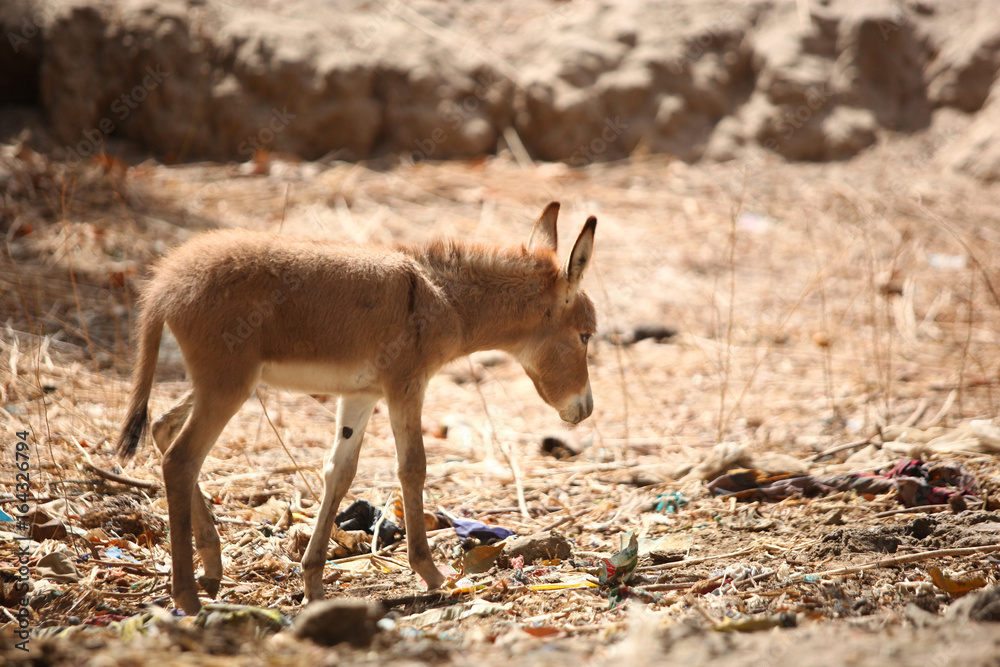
(555, 357)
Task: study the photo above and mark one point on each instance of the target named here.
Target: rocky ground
(796, 321)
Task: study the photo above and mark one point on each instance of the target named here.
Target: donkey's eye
(585, 338)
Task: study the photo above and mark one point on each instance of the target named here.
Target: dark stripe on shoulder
(412, 303)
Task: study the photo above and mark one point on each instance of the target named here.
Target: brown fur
(366, 322)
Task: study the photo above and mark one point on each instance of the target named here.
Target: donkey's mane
(477, 264)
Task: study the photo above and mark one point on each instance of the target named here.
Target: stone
(976, 151)
(982, 606)
(965, 69)
(330, 622)
(547, 545)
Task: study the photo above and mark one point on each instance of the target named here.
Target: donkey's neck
(499, 294)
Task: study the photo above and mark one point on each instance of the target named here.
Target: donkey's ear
(543, 232)
(580, 257)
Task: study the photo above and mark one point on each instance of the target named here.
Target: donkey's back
(268, 297)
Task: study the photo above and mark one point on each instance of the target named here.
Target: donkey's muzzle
(579, 409)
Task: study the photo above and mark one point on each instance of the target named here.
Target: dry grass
(815, 304)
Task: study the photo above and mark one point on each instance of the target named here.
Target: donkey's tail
(137, 420)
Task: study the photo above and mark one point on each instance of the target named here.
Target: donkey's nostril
(590, 405)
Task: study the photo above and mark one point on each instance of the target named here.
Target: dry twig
(901, 560)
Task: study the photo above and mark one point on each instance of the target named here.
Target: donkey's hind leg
(168, 425)
(206, 537)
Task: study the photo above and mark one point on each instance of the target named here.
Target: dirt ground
(811, 307)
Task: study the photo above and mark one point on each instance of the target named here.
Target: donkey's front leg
(404, 415)
(353, 413)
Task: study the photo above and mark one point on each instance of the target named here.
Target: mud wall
(577, 81)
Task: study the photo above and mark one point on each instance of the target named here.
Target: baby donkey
(365, 322)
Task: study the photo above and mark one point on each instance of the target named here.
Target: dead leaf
(541, 630)
(147, 539)
(58, 566)
(97, 536)
(480, 559)
(50, 530)
(955, 587)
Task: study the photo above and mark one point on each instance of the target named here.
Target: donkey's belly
(321, 378)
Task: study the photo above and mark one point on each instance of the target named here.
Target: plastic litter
(362, 515)
(756, 623)
(115, 553)
(916, 482)
(621, 566)
(480, 531)
(455, 613)
(255, 621)
(670, 502)
(942, 261)
(618, 595)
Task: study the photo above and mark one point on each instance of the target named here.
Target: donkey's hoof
(188, 603)
(210, 585)
(435, 582)
(313, 594)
